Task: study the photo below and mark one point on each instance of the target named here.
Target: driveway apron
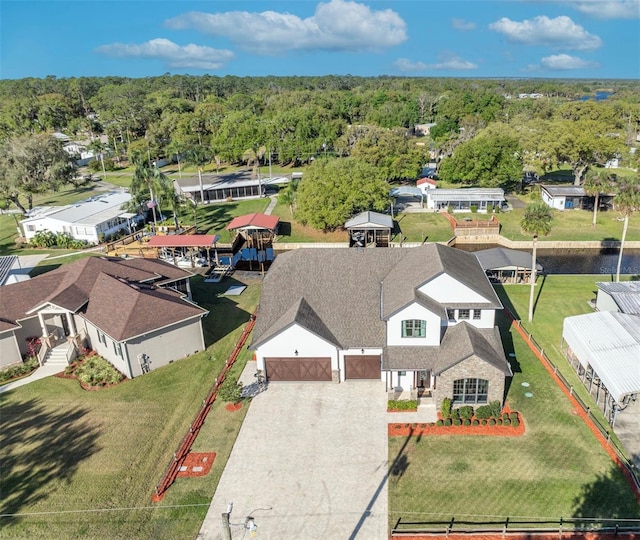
(310, 462)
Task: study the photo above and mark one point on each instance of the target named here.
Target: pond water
(580, 261)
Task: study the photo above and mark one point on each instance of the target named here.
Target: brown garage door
(362, 367)
(298, 369)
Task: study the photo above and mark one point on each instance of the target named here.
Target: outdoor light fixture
(295, 352)
(362, 351)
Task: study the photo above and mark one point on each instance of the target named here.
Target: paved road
(310, 462)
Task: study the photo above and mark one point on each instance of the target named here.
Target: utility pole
(226, 528)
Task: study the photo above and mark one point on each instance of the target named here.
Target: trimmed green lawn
(556, 297)
(65, 449)
(423, 226)
(573, 225)
(556, 469)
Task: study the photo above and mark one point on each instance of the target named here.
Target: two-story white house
(420, 320)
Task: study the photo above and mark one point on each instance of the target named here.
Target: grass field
(65, 449)
(573, 225)
(556, 469)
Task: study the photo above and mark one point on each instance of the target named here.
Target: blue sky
(438, 38)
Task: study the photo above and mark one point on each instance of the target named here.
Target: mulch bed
(233, 406)
(197, 464)
(419, 429)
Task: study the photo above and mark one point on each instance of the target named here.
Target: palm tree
(199, 157)
(626, 201)
(536, 221)
(288, 195)
(594, 185)
(149, 179)
(98, 150)
(252, 157)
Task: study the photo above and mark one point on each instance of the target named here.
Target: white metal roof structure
(625, 294)
(610, 343)
(370, 220)
(467, 194)
(91, 211)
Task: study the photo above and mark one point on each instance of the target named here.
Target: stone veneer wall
(471, 368)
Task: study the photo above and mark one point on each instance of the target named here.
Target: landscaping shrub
(506, 421)
(466, 411)
(230, 391)
(96, 371)
(496, 408)
(505, 415)
(483, 412)
(499, 421)
(445, 407)
(466, 422)
(515, 423)
(474, 208)
(402, 404)
(514, 416)
(447, 421)
(475, 422)
(457, 422)
(484, 421)
(18, 370)
(440, 423)
(492, 421)
(455, 413)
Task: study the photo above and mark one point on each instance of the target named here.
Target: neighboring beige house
(421, 320)
(136, 313)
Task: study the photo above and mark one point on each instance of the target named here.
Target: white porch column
(43, 326)
(72, 324)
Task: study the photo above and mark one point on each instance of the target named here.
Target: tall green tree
(536, 221)
(595, 184)
(333, 190)
(148, 181)
(626, 201)
(582, 144)
(487, 160)
(30, 165)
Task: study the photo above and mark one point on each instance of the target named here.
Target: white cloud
(405, 65)
(337, 25)
(461, 24)
(605, 9)
(610, 9)
(447, 61)
(560, 32)
(173, 55)
(563, 62)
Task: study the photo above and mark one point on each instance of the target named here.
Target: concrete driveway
(310, 462)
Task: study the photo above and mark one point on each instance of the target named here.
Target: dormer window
(414, 328)
(463, 314)
(451, 315)
(477, 314)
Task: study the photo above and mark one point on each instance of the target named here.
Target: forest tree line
(481, 131)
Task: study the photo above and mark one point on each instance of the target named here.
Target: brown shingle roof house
(421, 320)
(136, 313)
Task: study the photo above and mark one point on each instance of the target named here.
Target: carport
(604, 349)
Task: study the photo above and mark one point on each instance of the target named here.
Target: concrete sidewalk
(40, 373)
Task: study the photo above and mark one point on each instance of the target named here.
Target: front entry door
(424, 381)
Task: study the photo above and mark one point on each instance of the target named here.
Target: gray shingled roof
(344, 289)
(110, 291)
(460, 342)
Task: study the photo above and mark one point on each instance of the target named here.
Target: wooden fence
(185, 445)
